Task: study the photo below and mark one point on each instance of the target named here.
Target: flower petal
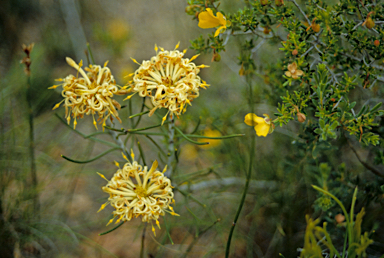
(252, 119)
(288, 74)
(299, 72)
(221, 18)
(208, 20)
(293, 66)
(219, 29)
(262, 129)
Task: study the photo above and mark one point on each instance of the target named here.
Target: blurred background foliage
(209, 180)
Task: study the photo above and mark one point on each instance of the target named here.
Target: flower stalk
(249, 173)
(27, 61)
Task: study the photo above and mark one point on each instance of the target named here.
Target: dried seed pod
(301, 117)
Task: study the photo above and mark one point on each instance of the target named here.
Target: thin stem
(249, 173)
(36, 203)
(302, 12)
(365, 164)
(118, 141)
(90, 53)
(171, 145)
(143, 240)
(197, 238)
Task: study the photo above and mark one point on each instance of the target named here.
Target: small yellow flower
(314, 26)
(293, 71)
(90, 94)
(208, 20)
(263, 126)
(136, 191)
(171, 81)
(212, 142)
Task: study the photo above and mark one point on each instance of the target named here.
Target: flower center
(267, 120)
(140, 191)
(293, 71)
(167, 81)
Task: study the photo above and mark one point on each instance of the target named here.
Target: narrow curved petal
(288, 74)
(262, 129)
(219, 30)
(207, 20)
(252, 119)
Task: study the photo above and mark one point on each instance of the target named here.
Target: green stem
(349, 226)
(252, 154)
(351, 214)
(218, 137)
(141, 153)
(90, 53)
(36, 202)
(188, 139)
(251, 158)
(138, 120)
(83, 135)
(143, 240)
(127, 131)
(109, 231)
(139, 114)
(93, 159)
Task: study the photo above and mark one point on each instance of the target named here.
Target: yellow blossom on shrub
(171, 81)
(293, 71)
(208, 20)
(263, 126)
(90, 94)
(136, 191)
(212, 142)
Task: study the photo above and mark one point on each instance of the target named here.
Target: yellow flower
(263, 126)
(136, 191)
(89, 94)
(212, 142)
(293, 71)
(208, 20)
(171, 81)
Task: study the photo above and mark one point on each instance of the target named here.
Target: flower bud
(279, 2)
(189, 10)
(216, 57)
(295, 52)
(301, 117)
(339, 218)
(266, 30)
(242, 71)
(376, 43)
(264, 2)
(369, 23)
(315, 27)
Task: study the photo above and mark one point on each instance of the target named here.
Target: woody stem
(171, 145)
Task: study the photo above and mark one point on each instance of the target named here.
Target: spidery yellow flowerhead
(136, 191)
(90, 94)
(208, 20)
(171, 81)
(263, 126)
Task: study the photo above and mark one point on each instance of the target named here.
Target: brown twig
(365, 164)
